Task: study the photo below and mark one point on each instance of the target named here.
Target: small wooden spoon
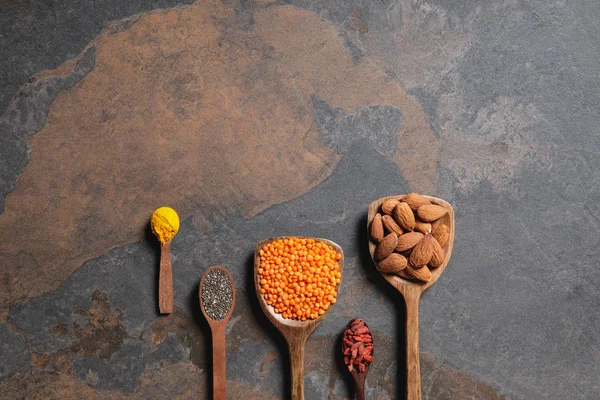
(165, 280)
(359, 377)
(219, 348)
(294, 331)
(412, 293)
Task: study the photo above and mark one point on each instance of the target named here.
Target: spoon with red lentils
(297, 281)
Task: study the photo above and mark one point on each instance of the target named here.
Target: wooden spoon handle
(359, 380)
(360, 393)
(413, 369)
(296, 345)
(165, 280)
(219, 361)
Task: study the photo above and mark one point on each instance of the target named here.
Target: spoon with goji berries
(357, 347)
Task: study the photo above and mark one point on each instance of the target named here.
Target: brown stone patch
(40, 360)
(264, 366)
(60, 361)
(191, 108)
(35, 384)
(103, 333)
(443, 382)
(59, 330)
(357, 24)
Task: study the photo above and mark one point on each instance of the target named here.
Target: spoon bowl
(411, 291)
(448, 220)
(294, 331)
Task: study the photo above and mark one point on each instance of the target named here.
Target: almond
(377, 228)
(422, 252)
(441, 233)
(415, 200)
(431, 212)
(422, 274)
(392, 264)
(408, 240)
(391, 225)
(388, 206)
(405, 274)
(437, 257)
(386, 246)
(404, 216)
(423, 227)
(436, 224)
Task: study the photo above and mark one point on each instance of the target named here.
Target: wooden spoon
(294, 331)
(359, 377)
(219, 347)
(412, 293)
(165, 280)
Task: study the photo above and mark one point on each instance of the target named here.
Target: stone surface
(205, 113)
(264, 118)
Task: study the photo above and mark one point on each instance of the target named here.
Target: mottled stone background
(260, 118)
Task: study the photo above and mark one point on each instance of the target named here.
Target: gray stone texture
(379, 124)
(14, 354)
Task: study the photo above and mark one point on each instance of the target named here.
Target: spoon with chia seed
(217, 298)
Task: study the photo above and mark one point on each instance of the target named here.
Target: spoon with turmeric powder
(165, 224)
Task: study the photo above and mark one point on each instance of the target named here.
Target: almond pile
(410, 237)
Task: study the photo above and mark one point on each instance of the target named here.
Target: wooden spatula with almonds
(410, 241)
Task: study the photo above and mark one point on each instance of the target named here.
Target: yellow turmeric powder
(165, 224)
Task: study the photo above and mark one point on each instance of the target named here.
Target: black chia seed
(217, 294)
